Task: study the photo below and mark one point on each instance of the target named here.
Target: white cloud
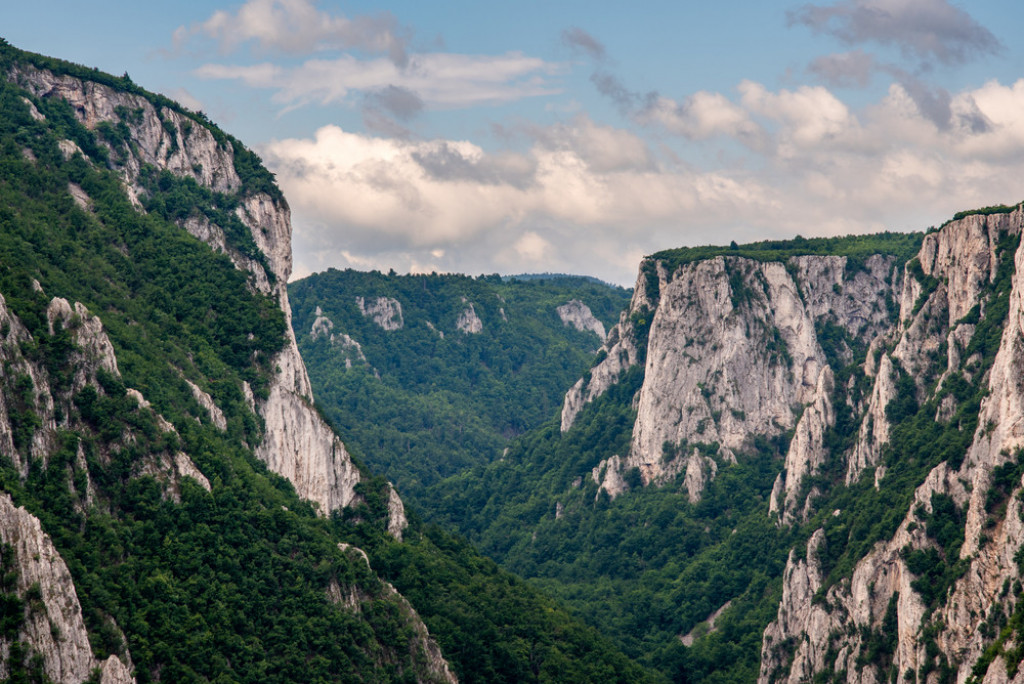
(808, 116)
(586, 197)
(701, 116)
(440, 80)
(298, 27)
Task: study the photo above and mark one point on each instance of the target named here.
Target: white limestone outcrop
(297, 444)
(349, 350)
(53, 627)
(468, 322)
(385, 311)
(206, 401)
(807, 451)
(963, 260)
(578, 315)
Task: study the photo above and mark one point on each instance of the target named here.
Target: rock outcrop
(350, 350)
(51, 624)
(384, 311)
(830, 629)
(578, 315)
(297, 443)
(424, 648)
(731, 351)
(468, 322)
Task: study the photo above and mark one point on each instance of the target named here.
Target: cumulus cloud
(580, 41)
(701, 116)
(589, 197)
(298, 27)
(807, 116)
(436, 79)
(925, 30)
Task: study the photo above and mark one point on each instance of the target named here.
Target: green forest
(450, 387)
(649, 566)
(430, 400)
(230, 584)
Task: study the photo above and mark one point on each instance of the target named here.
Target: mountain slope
(195, 517)
(808, 434)
(450, 366)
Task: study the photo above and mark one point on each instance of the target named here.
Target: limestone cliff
(297, 443)
(970, 266)
(578, 315)
(730, 351)
(50, 622)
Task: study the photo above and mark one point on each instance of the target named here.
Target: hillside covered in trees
(147, 534)
(461, 365)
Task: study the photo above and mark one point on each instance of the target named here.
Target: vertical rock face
(297, 444)
(619, 352)
(955, 271)
(731, 351)
(578, 315)
(52, 623)
(807, 449)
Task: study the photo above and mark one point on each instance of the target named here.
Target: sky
(578, 137)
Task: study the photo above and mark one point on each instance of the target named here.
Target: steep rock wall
(53, 626)
(731, 351)
(298, 444)
(830, 635)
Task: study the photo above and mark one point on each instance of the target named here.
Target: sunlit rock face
(53, 627)
(297, 444)
(578, 315)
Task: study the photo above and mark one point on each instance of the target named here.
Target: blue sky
(579, 136)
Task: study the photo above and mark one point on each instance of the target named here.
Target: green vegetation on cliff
(235, 583)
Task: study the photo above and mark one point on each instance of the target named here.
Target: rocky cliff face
(903, 384)
(51, 625)
(40, 401)
(834, 628)
(297, 443)
(578, 315)
(730, 350)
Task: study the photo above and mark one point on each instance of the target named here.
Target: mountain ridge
(157, 424)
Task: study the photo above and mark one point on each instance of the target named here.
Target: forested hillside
(450, 367)
(792, 461)
(151, 529)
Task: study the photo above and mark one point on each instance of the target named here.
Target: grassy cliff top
(901, 245)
